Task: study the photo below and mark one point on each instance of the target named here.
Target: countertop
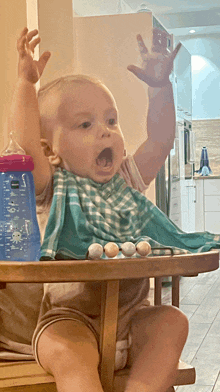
(203, 178)
(206, 177)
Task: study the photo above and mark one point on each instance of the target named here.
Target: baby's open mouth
(105, 158)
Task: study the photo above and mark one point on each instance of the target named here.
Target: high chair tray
(108, 269)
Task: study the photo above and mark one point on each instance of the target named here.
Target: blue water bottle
(19, 230)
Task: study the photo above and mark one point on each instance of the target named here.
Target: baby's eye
(112, 121)
(85, 125)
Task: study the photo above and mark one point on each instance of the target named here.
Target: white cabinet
(208, 205)
(212, 205)
(182, 204)
(195, 204)
(188, 205)
(199, 206)
(175, 205)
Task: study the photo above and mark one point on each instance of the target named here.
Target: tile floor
(200, 301)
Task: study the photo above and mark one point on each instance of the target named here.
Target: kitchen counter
(202, 178)
(206, 177)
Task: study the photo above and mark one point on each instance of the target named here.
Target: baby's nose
(103, 130)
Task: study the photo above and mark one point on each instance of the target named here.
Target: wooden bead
(128, 249)
(111, 249)
(143, 248)
(95, 251)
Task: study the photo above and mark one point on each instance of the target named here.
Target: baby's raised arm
(24, 117)
(155, 71)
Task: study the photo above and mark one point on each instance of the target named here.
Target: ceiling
(181, 16)
(178, 17)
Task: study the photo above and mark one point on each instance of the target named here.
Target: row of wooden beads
(128, 249)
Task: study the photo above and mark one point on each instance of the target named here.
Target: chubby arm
(24, 117)
(151, 155)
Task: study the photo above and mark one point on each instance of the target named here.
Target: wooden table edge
(108, 269)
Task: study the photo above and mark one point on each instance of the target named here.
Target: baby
(87, 189)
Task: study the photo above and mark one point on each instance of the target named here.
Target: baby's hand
(156, 67)
(28, 68)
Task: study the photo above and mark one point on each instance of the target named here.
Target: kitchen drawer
(212, 203)
(212, 222)
(211, 187)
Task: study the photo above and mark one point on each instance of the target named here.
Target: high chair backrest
(29, 377)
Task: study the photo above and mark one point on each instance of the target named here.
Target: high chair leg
(109, 314)
(157, 290)
(175, 291)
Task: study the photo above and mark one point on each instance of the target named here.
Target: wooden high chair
(28, 376)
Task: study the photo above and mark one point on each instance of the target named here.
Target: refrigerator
(181, 162)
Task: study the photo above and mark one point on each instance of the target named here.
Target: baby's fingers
(176, 50)
(23, 33)
(139, 72)
(21, 45)
(24, 39)
(141, 44)
(31, 34)
(34, 43)
(21, 40)
(43, 61)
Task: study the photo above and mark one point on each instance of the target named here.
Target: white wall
(182, 70)
(205, 90)
(57, 35)
(12, 21)
(105, 46)
(206, 82)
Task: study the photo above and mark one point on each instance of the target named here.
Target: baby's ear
(53, 158)
(46, 147)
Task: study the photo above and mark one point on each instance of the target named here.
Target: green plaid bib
(84, 212)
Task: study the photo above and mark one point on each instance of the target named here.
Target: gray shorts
(82, 302)
(27, 309)
(122, 346)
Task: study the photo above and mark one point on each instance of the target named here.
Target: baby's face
(88, 137)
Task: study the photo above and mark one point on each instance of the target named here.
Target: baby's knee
(158, 328)
(175, 322)
(174, 316)
(67, 344)
(161, 321)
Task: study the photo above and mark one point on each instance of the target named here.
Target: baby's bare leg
(68, 350)
(158, 337)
